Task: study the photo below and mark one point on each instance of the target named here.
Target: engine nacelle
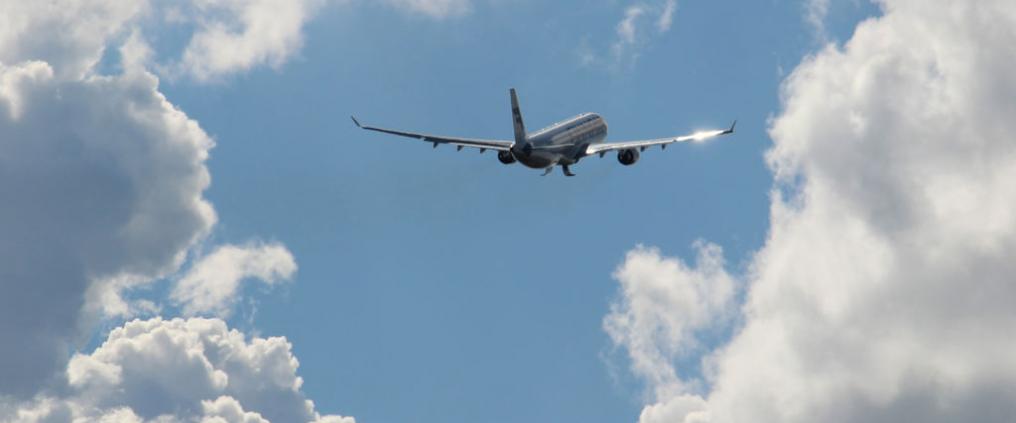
(628, 156)
(505, 157)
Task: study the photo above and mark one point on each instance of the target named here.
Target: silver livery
(561, 144)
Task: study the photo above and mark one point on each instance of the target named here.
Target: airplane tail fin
(520, 128)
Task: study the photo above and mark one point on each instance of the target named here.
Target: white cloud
(102, 180)
(211, 285)
(228, 410)
(666, 18)
(236, 35)
(180, 370)
(883, 293)
(625, 48)
(664, 304)
(434, 8)
(640, 24)
(627, 27)
(225, 36)
(69, 35)
(815, 15)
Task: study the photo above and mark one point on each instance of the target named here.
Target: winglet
(731, 130)
(356, 122)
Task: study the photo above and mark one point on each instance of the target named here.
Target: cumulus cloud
(883, 293)
(664, 305)
(236, 35)
(102, 180)
(225, 36)
(211, 285)
(27, 31)
(181, 371)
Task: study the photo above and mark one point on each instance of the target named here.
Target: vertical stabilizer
(520, 128)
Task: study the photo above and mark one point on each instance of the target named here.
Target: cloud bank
(102, 180)
(103, 184)
(884, 290)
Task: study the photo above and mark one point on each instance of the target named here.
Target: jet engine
(505, 157)
(628, 157)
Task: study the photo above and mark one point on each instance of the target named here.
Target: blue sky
(193, 230)
(443, 286)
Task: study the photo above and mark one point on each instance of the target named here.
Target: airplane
(561, 144)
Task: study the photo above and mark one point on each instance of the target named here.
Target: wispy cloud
(641, 22)
(667, 16)
(815, 13)
(627, 31)
(434, 8)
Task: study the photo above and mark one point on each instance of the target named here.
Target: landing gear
(564, 168)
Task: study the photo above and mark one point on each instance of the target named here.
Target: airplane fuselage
(562, 143)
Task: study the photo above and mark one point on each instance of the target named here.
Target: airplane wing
(602, 149)
(483, 145)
